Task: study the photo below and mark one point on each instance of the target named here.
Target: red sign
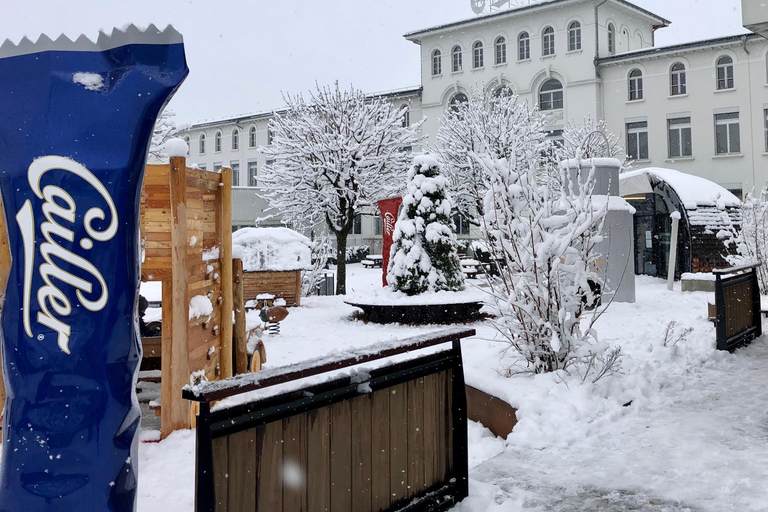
(388, 208)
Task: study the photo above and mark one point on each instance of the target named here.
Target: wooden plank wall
(286, 285)
(738, 307)
(185, 213)
(363, 455)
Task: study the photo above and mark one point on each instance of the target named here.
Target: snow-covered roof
(693, 191)
(276, 249)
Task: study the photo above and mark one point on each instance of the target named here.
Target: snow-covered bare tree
(330, 156)
(752, 241)
(544, 238)
(484, 125)
(165, 129)
(424, 254)
(581, 141)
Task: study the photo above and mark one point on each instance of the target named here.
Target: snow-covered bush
(487, 124)
(752, 240)
(424, 255)
(580, 141)
(321, 251)
(544, 237)
(332, 155)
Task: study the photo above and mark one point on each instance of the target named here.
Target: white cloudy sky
(243, 54)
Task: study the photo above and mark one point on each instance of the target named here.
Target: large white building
(701, 108)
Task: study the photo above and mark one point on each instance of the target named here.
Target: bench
(373, 260)
(368, 263)
(470, 267)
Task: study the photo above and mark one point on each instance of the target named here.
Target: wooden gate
(390, 438)
(737, 302)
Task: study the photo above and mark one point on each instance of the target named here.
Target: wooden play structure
(187, 242)
(282, 284)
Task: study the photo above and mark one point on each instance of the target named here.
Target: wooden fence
(185, 218)
(392, 438)
(285, 285)
(737, 303)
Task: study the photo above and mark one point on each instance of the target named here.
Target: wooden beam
(225, 255)
(241, 343)
(175, 362)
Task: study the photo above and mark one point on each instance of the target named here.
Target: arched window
(502, 92)
(677, 79)
(186, 139)
(217, 142)
(477, 55)
(406, 116)
(201, 143)
(724, 73)
(270, 134)
(635, 85)
(548, 41)
(611, 39)
(523, 46)
(235, 139)
(551, 95)
(501, 50)
(252, 137)
(457, 100)
(437, 63)
(574, 36)
(456, 58)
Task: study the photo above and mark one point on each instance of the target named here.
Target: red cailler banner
(388, 209)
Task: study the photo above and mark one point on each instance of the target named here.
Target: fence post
(240, 342)
(459, 400)
(720, 313)
(225, 257)
(205, 487)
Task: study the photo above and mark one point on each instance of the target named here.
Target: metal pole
(672, 251)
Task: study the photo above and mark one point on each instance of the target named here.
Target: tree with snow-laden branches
(752, 240)
(424, 255)
(485, 125)
(332, 155)
(544, 236)
(165, 130)
(581, 141)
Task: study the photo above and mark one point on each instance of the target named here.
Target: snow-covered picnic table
(373, 260)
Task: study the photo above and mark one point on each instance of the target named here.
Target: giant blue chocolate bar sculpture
(76, 120)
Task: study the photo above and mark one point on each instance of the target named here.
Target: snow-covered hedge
(276, 249)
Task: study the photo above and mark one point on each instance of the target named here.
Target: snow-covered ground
(695, 436)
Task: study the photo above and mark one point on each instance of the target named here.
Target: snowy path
(700, 446)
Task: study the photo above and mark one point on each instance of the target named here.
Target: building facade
(700, 108)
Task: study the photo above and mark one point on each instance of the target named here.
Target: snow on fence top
(575, 163)
(693, 191)
(277, 249)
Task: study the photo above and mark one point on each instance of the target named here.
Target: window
(235, 140)
(201, 143)
(551, 95)
(253, 168)
(437, 63)
(611, 39)
(574, 36)
(460, 224)
(406, 116)
(477, 55)
(679, 137)
(456, 58)
(457, 100)
(217, 142)
(501, 50)
(765, 114)
(677, 79)
(235, 166)
(202, 167)
(548, 41)
(357, 225)
(252, 137)
(724, 73)
(378, 225)
(503, 91)
(523, 47)
(635, 85)
(556, 136)
(270, 134)
(727, 137)
(217, 167)
(637, 140)
(186, 139)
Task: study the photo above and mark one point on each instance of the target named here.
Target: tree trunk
(341, 262)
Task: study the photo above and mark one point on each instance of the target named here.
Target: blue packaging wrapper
(76, 119)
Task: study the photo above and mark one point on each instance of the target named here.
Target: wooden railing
(389, 438)
(737, 303)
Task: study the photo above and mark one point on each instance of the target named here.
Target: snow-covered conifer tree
(544, 237)
(486, 125)
(424, 254)
(333, 155)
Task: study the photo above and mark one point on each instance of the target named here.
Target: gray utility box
(616, 263)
